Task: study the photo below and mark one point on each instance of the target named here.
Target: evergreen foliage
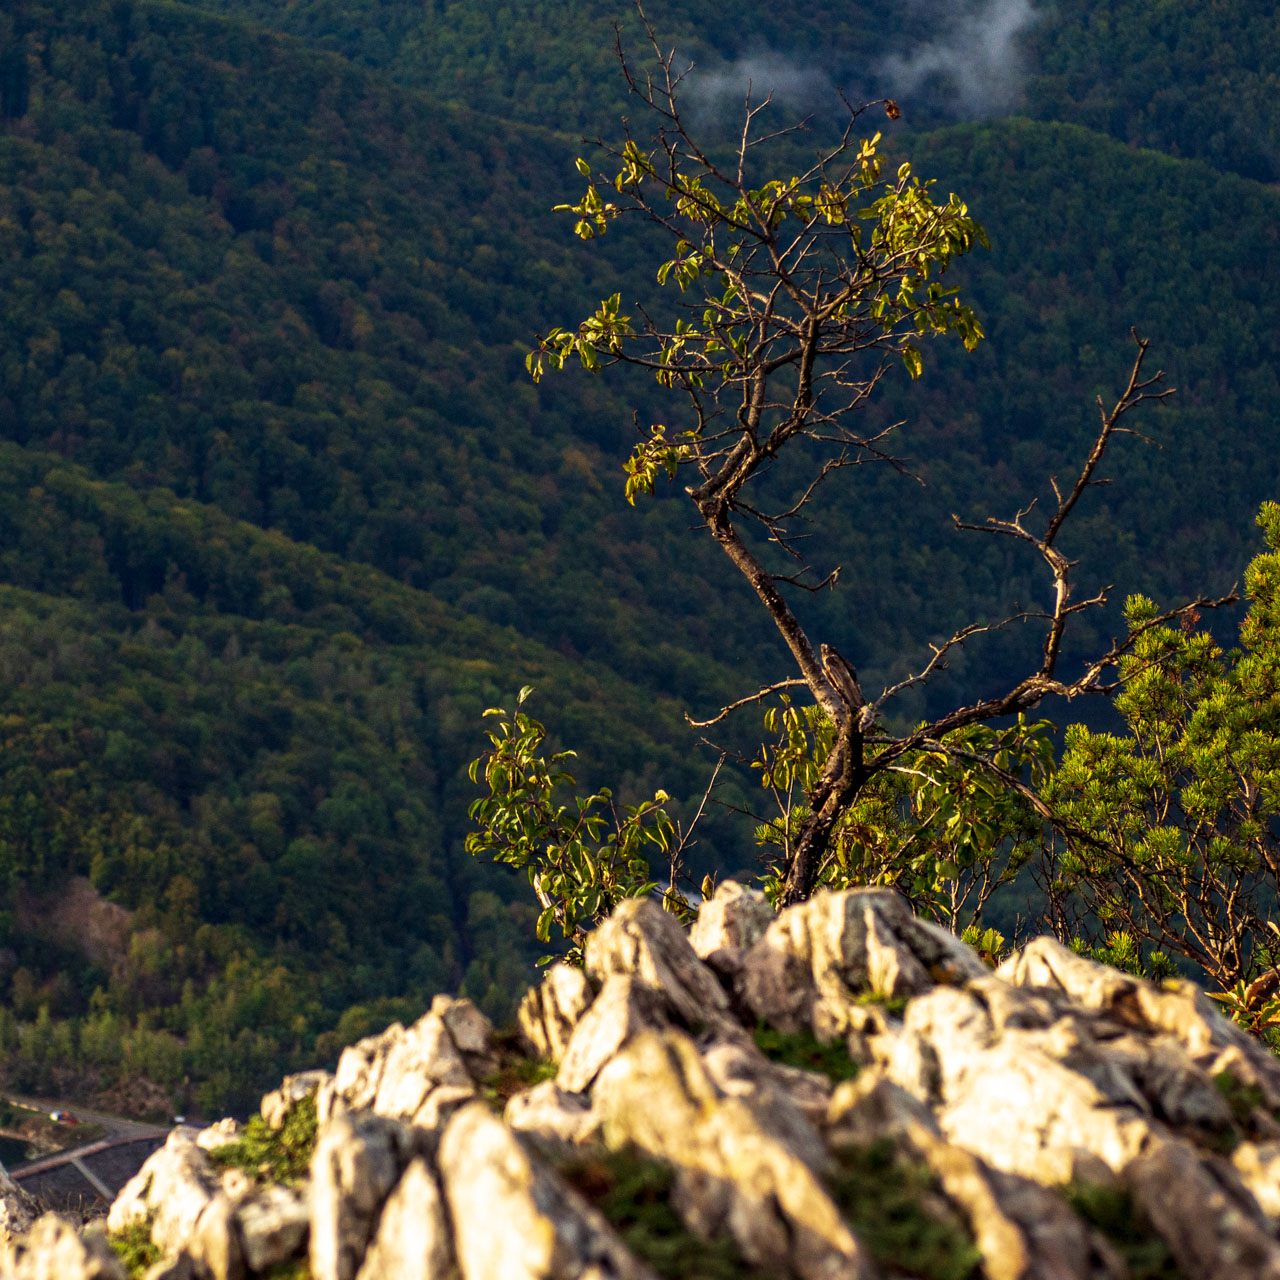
(1174, 822)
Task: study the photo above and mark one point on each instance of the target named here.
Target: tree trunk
(843, 777)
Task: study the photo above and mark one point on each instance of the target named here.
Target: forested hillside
(1196, 81)
(260, 761)
(282, 512)
(162, 335)
(1193, 80)
(523, 61)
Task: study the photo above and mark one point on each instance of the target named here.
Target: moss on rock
(803, 1049)
(1111, 1211)
(634, 1193)
(896, 1209)
(270, 1155)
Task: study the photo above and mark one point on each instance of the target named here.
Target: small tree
(581, 855)
(799, 294)
(943, 829)
(1173, 828)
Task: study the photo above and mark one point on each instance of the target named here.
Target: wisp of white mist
(972, 64)
(976, 52)
(796, 86)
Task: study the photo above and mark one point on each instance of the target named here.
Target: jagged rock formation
(17, 1209)
(839, 1092)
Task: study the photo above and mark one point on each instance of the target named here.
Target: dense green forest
(524, 61)
(260, 762)
(282, 513)
(1193, 81)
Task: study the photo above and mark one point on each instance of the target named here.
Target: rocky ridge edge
(837, 1091)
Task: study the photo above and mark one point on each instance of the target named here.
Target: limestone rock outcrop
(837, 1092)
(18, 1211)
(420, 1075)
(171, 1192)
(54, 1250)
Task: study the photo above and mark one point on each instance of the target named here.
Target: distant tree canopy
(1195, 82)
(280, 512)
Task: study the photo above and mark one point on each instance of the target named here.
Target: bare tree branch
(725, 712)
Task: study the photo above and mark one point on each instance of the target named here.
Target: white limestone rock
(356, 1162)
(511, 1216)
(18, 1211)
(554, 1118)
(817, 958)
(172, 1189)
(413, 1240)
(54, 1250)
(277, 1104)
(730, 923)
(550, 1011)
(273, 1223)
(737, 1174)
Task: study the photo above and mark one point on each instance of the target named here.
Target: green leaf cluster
(898, 237)
(582, 854)
(943, 829)
(273, 1155)
(1177, 816)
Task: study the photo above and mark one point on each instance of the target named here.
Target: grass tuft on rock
(517, 1070)
(1243, 1099)
(1111, 1211)
(803, 1049)
(271, 1156)
(633, 1193)
(294, 1269)
(895, 1208)
(134, 1248)
(894, 1006)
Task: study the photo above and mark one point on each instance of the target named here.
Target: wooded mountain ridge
(283, 513)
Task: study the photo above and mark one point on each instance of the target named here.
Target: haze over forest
(281, 511)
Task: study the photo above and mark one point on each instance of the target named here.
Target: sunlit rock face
(17, 1210)
(837, 1092)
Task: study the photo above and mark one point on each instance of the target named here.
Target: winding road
(117, 1127)
(94, 1171)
